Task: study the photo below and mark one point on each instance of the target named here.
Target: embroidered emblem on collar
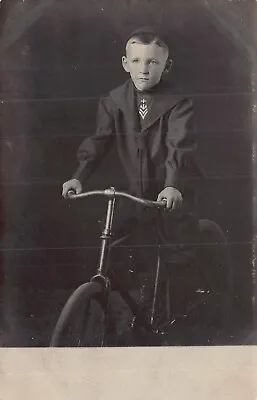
(143, 109)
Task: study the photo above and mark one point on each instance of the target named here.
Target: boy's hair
(149, 34)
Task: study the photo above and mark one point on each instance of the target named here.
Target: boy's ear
(168, 66)
(124, 61)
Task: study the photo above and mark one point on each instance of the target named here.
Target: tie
(143, 110)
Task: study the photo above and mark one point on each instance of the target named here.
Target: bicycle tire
(83, 320)
(208, 311)
(218, 272)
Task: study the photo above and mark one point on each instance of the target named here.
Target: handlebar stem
(107, 232)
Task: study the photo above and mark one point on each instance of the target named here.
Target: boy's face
(145, 63)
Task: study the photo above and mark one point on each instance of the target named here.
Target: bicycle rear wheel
(217, 269)
(84, 320)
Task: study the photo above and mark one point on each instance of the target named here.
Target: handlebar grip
(71, 193)
(163, 203)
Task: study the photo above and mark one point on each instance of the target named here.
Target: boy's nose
(144, 69)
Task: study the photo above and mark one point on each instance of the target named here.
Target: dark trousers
(174, 235)
(176, 232)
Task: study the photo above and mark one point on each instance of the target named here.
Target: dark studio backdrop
(56, 59)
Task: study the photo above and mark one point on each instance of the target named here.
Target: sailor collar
(162, 100)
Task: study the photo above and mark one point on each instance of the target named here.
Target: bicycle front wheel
(84, 320)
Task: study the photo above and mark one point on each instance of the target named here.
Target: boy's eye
(135, 60)
(154, 61)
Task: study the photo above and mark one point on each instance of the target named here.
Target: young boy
(155, 141)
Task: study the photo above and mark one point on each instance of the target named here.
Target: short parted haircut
(148, 35)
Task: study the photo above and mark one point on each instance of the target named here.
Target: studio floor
(29, 316)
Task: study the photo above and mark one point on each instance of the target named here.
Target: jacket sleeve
(94, 148)
(180, 143)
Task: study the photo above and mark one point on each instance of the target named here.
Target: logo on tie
(143, 108)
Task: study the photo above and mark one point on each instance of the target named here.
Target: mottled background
(57, 57)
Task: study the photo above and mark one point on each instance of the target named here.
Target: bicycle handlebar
(112, 193)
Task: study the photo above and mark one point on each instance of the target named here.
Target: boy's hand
(173, 197)
(72, 184)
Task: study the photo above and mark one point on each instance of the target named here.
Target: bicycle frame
(105, 275)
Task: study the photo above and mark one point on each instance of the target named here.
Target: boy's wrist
(173, 187)
(75, 176)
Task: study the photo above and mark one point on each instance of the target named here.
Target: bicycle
(87, 318)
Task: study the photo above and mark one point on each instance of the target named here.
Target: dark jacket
(154, 156)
